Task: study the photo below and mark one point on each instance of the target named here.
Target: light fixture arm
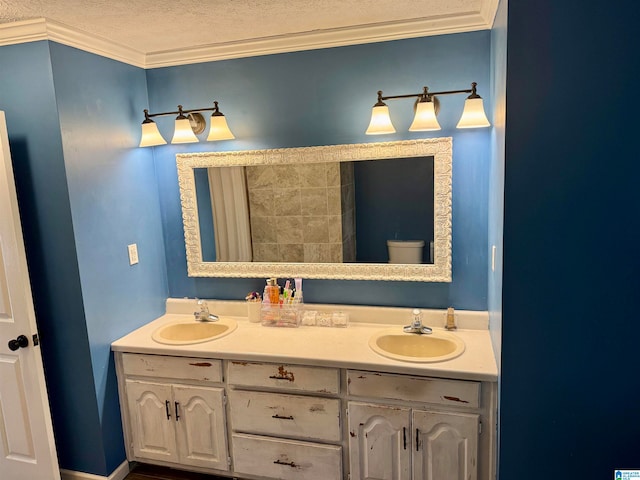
(181, 111)
(216, 110)
(426, 94)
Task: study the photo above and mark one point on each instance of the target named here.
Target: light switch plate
(493, 258)
(133, 253)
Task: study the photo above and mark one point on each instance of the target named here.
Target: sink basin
(409, 347)
(189, 332)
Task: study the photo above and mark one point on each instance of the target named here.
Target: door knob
(19, 342)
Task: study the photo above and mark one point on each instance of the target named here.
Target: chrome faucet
(416, 325)
(204, 315)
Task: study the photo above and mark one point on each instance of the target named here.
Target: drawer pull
(166, 407)
(283, 375)
(282, 417)
(177, 414)
(417, 439)
(404, 437)
(288, 464)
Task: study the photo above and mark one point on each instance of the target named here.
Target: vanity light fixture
(188, 124)
(426, 109)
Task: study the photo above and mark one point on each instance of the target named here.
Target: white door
(27, 448)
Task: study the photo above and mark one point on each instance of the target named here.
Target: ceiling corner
(488, 11)
(23, 31)
(42, 29)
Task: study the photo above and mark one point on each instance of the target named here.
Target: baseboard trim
(118, 474)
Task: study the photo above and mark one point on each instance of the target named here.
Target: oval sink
(189, 332)
(409, 347)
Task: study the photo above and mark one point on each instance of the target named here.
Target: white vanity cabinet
(414, 428)
(173, 411)
(303, 422)
(285, 421)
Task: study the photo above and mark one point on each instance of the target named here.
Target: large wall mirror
(373, 211)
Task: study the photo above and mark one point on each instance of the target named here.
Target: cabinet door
(379, 442)
(447, 446)
(152, 421)
(200, 424)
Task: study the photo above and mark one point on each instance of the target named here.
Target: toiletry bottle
(298, 296)
(273, 291)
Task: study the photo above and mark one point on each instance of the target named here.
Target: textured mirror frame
(439, 271)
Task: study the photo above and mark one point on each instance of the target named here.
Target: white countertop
(313, 345)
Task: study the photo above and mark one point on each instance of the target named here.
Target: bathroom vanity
(308, 402)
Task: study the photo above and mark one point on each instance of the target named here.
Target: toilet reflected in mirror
(408, 251)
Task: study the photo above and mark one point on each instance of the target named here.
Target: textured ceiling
(151, 26)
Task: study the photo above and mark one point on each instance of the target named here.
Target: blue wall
(324, 97)
(85, 191)
(28, 97)
(570, 382)
(114, 202)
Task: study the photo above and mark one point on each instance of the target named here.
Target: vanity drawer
(181, 368)
(461, 393)
(284, 377)
(285, 415)
(285, 459)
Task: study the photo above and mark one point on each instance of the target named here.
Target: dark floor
(140, 471)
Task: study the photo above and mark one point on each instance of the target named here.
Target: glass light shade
(425, 118)
(183, 132)
(151, 135)
(473, 115)
(380, 121)
(219, 129)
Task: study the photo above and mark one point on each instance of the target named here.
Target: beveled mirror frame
(439, 271)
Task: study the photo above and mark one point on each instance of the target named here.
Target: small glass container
(340, 319)
(280, 315)
(323, 319)
(309, 317)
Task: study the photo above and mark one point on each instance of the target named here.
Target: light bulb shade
(473, 115)
(151, 135)
(183, 132)
(219, 129)
(380, 121)
(425, 118)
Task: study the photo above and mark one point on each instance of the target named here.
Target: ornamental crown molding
(44, 29)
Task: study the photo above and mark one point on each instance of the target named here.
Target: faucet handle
(417, 317)
(204, 309)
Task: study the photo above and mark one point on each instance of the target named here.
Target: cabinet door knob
(21, 342)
